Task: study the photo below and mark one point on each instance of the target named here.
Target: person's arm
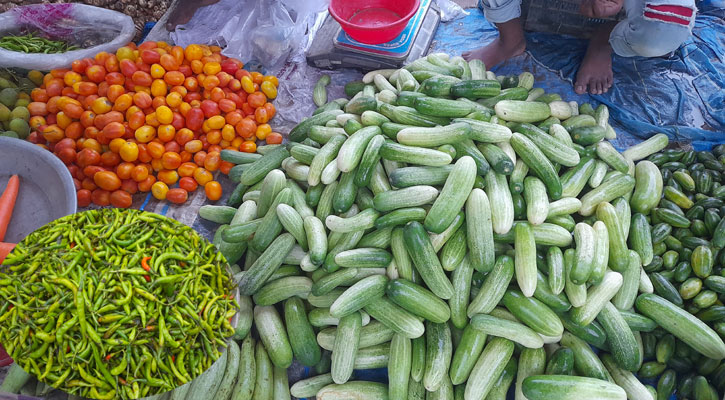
(601, 8)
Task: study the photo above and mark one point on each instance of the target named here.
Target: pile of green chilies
(32, 43)
(115, 304)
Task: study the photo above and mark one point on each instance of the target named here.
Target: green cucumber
(426, 261)
(452, 197)
(538, 163)
(544, 387)
(417, 300)
(466, 354)
(488, 368)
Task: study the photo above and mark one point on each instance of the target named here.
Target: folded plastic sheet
(682, 95)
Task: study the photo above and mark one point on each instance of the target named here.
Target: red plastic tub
(5, 359)
(373, 21)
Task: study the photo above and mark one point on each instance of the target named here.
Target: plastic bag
(91, 28)
(450, 10)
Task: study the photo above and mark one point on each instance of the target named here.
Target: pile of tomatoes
(151, 118)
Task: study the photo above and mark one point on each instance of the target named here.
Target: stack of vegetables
(15, 118)
(470, 232)
(149, 118)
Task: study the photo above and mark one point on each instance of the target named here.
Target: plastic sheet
(92, 28)
(682, 95)
(450, 10)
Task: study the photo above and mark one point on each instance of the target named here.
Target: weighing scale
(332, 48)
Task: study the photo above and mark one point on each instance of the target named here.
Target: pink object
(373, 21)
(5, 359)
(47, 18)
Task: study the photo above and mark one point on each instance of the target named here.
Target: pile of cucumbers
(471, 232)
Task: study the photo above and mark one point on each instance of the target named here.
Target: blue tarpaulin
(682, 95)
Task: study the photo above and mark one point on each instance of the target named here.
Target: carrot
(5, 249)
(7, 203)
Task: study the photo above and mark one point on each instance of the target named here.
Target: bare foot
(183, 12)
(496, 52)
(509, 43)
(595, 73)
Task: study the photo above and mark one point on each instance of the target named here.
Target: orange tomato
(96, 73)
(101, 105)
(260, 115)
(155, 149)
(114, 130)
(183, 136)
(256, 77)
(63, 120)
(188, 183)
(247, 84)
(169, 62)
(211, 68)
(214, 137)
(159, 190)
(271, 110)
(158, 101)
(193, 52)
(171, 160)
(274, 138)
(83, 197)
(37, 108)
(246, 128)
(228, 133)
(139, 173)
(248, 147)
(213, 190)
(199, 157)
(72, 131)
(174, 100)
(121, 198)
(129, 152)
(141, 78)
(164, 115)
(167, 176)
(124, 170)
(272, 79)
(114, 92)
(226, 167)
(256, 99)
(159, 88)
(177, 195)
(137, 120)
(36, 121)
(186, 169)
(212, 161)
(142, 100)
(107, 180)
(166, 133)
(202, 176)
(109, 159)
(70, 78)
(116, 144)
(146, 184)
(101, 197)
(269, 89)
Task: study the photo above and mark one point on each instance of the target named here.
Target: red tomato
(194, 119)
(177, 195)
(209, 108)
(188, 183)
(101, 197)
(121, 199)
(88, 157)
(84, 197)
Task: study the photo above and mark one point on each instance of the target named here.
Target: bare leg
(595, 73)
(509, 43)
(184, 10)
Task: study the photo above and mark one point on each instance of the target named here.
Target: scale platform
(332, 48)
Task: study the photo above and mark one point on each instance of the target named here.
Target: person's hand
(600, 8)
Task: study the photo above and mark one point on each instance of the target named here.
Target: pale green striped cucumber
(574, 180)
(620, 339)
(395, 318)
(486, 132)
(352, 150)
(319, 93)
(442, 107)
(531, 362)
(537, 204)
(600, 172)
(516, 180)
(417, 300)
(640, 238)
(363, 258)
(601, 253)
(647, 147)
(433, 137)
(257, 170)
(303, 153)
(522, 111)
(626, 380)
(408, 116)
(618, 251)
(533, 313)
(525, 261)
(347, 340)
(226, 385)
(358, 295)
(425, 260)
(493, 288)
(414, 155)
(400, 216)
(497, 157)
(292, 223)
(609, 190)
(560, 109)
(401, 352)
(452, 197)
(412, 176)
(309, 387)
(478, 70)
(439, 351)
(564, 387)
(585, 247)
(682, 324)
(280, 384)
(546, 234)
(488, 368)
(359, 222)
(624, 299)
(218, 214)
(301, 335)
(468, 148)
(246, 315)
(510, 330)
(274, 336)
(369, 118)
(500, 200)
(461, 281)
(647, 188)
(586, 362)
(466, 354)
(369, 161)
(316, 239)
(208, 382)
(323, 134)
(268, 262)
(555, 263)
(382, 83)
(270, 226)
(354, 390)
(281, 289)
(246, 373)
(503, 383)
(577, 294)
(538, 163)
(407, 98)
(412, 196)
(371, 334)
(480, 231)
(557, 302)
(607, 153)
(327, 153)
(549, 145)
(417, 366)
(272, 184)
(563, 206)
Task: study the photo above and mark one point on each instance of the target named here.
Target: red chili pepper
(148, 278)
(67, 350)
(108, 357)
(11, 307)
(72, 245)
(121, 381)
(173, 358)
(144, 263)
